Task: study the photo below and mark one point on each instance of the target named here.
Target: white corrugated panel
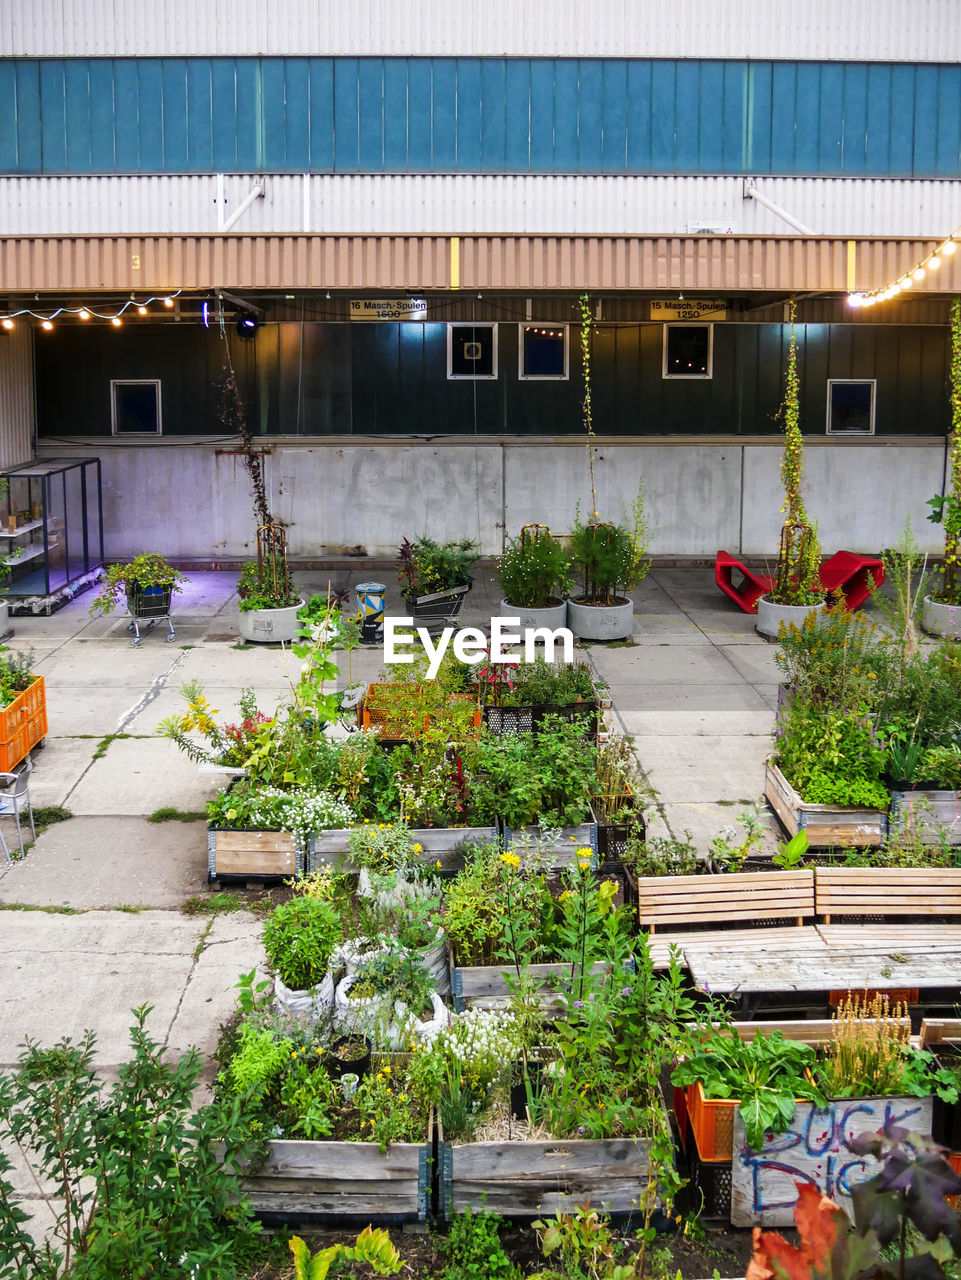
(853, 30)
(16, 396)
(493, 204)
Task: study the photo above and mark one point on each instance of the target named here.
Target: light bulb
(854, 300)
(116, 322)
(168, 302)
(7, 323)
(141, 311)
(905, 282)
(896, 287)
(46, 324)
(918, 273)
(934, 262)
(947, 249)
(83, 314)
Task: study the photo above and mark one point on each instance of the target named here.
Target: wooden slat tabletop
(744, 969)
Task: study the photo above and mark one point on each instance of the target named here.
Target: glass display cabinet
(51, 528)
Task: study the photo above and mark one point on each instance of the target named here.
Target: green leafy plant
(946, 507)
(473, 1250)
(549, 684)
(611, 558)
(790, 855)
(248, 806)
(16, 673)
(426, 566)
(767, 1074)
(535, 569)
(136, 1181)
(266, 585)
(373, 1246)
(146, 570)
(299, 938)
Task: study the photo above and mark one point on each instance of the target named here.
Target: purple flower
(625, 991)
(578, 1004)
(580, 1128)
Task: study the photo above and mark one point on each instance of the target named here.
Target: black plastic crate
(521, 720)
(710, 1186)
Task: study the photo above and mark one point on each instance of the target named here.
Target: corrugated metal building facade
(498, 161)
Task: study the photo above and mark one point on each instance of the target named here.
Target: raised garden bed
(825, 824)
(938, 812)
(377, 712)
(264, 855)
(522, 720)
(351, 1181)
(525, 1179)
(440, 844)
(562, 852)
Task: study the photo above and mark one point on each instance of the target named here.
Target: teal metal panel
(173, 114)
(735, 136)
(127, 121)
(590, 121)
(9, 148)
(419, 150)
(493, 114)
(370, 114)
(925, 120)
(758, 118)
(877, 127)
(468, 115)
(101, 85)
(346, 115)
(444, 114)
(639, 76)
(52, 119)
(854, 109)
(555, 123)
(225, 120)
(76, 83)
(251, 138)
(395, 113)
(614, 128)
(517, 109)
(199, 115)
(296, 117)
(687, 106)
(806, 117)
(948, 121)
(321, 108)
(710, 111)
(901, 122)
(830, 118)
(663, 90)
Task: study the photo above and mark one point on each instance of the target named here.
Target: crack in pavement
(199, 948)
(151, 695)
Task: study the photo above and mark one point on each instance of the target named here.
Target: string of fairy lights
(46, 318)
(907, 280)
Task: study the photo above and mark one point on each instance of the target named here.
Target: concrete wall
(193, 501)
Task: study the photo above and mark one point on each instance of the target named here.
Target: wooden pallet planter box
(259, 855)
(939, 812)
(534, 1179)
(354, 1182)
(384, 717)
(23, 724)
(815, 1149)
(487, 986)
(440, 844)
(825, 824)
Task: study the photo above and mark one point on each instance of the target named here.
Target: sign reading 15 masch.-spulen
(388, 308)
(688, 309)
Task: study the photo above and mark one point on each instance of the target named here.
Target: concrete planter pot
(270, 626)
(554, 616)
(601, 621)
(941, 619)
(771, 617)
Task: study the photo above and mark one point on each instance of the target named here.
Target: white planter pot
(553, 616)
(941, 619)
(270, 626)
(771, 617)
(313, 1002)
(601, 621)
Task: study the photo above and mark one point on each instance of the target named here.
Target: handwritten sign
(388, 308)
(814, 1149)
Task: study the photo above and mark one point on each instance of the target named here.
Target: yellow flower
(438, 864)
(511, 860)
(386, 1071)
(293, 1055)
(380, 826)
(418, 848)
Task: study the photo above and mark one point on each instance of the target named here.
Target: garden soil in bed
(722, 1250)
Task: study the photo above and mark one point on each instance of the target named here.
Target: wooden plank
(806, 1030)
(934, 1030)
(935, 814)
(776, 789)
(825, 824)
(750, 969)
(888, 890)
(814, 1149)
(256, 862)
(343, 1160)
(331, 1203)
(891, 937)
(537, 1201)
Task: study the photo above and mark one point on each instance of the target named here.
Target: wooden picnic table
(745, 970)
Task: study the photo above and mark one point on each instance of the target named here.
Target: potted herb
(299, 938)
(941, 612)
(435, 576)
(535, 577)
(268, 603)
(797, 575)
(148, 583)
(610, 560)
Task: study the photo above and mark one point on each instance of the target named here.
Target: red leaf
(819, 1220)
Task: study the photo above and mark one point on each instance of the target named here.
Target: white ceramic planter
(601, 621)
(941, 619)
(270, 626)
(553, 616)
(771, 617)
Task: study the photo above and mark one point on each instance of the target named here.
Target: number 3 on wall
(135, 262)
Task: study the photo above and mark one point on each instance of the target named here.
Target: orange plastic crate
(14, 749)
(374, 717)
(895, 995)
(954, 1160)
(712, 1124)
(29, 704)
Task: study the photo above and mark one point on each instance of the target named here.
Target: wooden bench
(854, 575)
(935, 1031)
(889, 891)
(686, 911)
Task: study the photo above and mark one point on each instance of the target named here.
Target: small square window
(542, 351)
(688, 351)
(851, 404)
(472, 351)
(135, 408)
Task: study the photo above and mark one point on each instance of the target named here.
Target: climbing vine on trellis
(587, 327)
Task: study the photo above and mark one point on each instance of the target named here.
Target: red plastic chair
(852, 574)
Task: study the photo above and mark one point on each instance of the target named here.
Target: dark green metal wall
(391, 379)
